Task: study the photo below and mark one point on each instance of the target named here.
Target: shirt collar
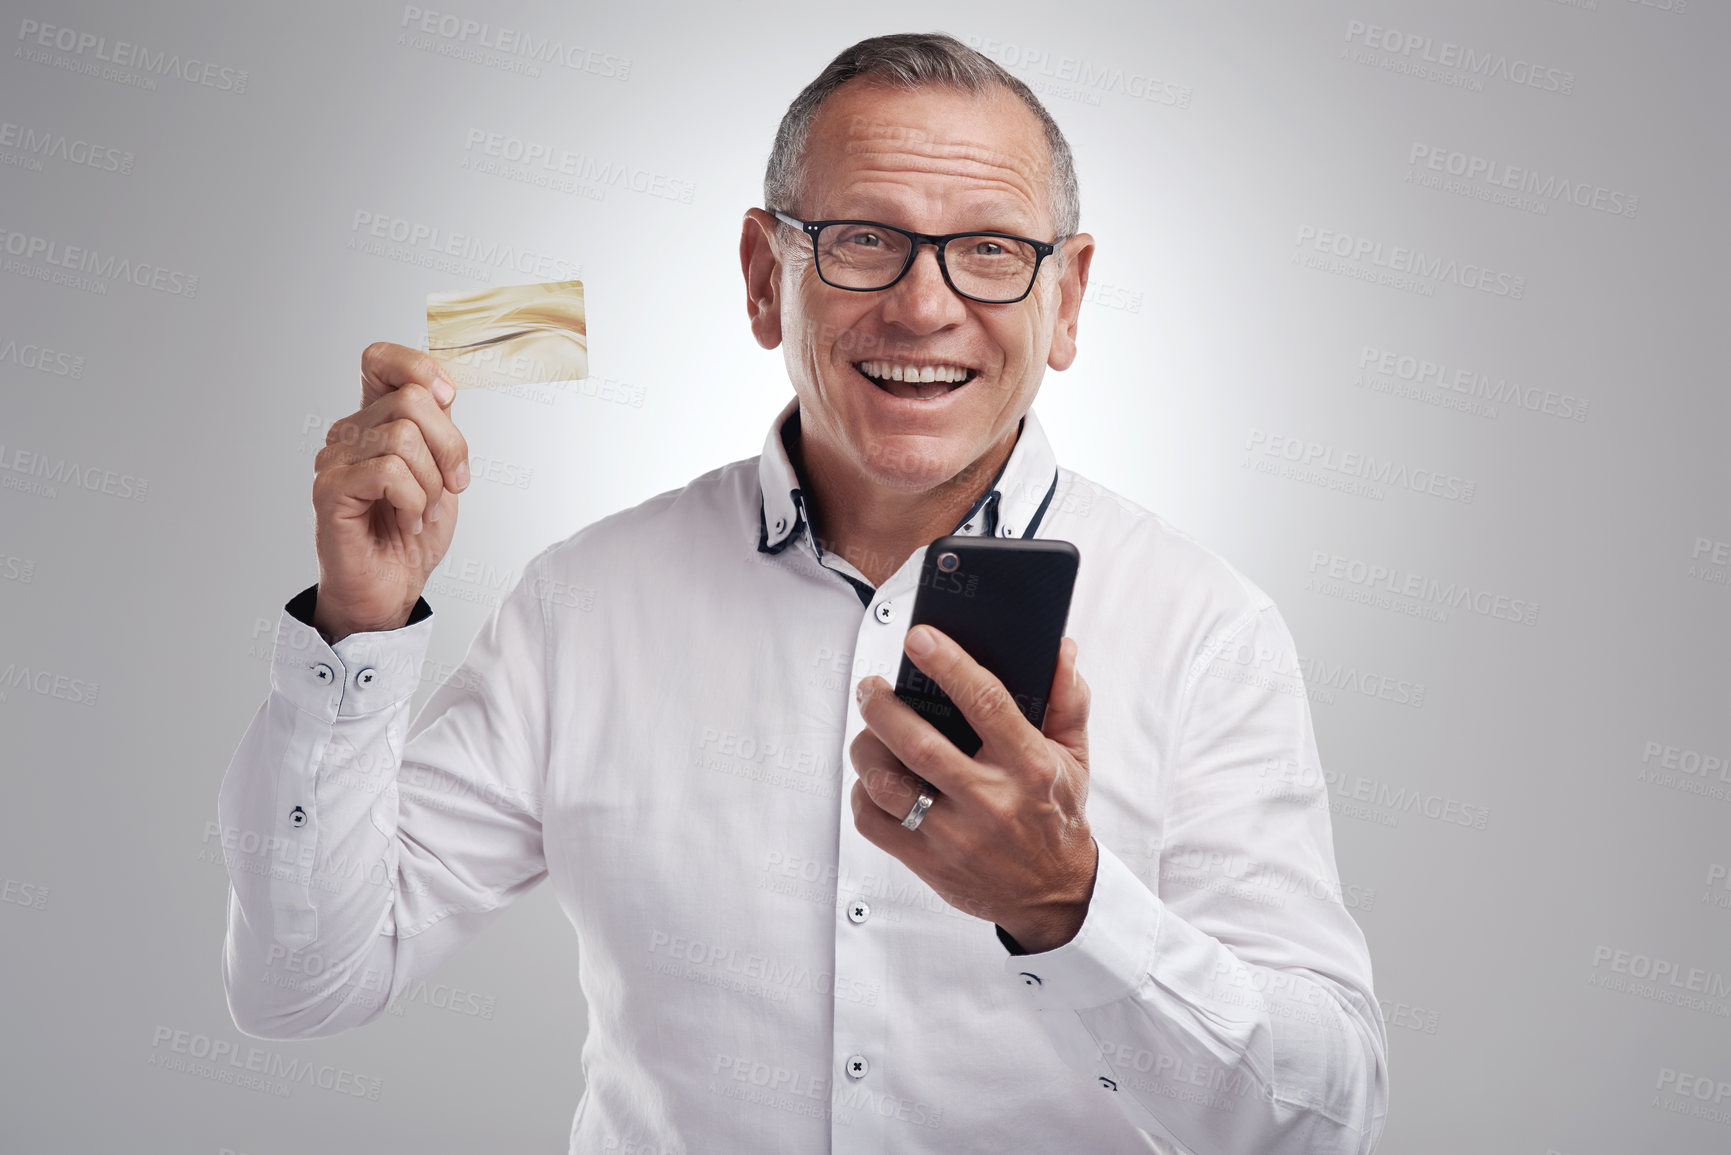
(1012, 506)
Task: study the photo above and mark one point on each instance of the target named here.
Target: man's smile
(916, 380)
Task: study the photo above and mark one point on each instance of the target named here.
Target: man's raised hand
(385, 493)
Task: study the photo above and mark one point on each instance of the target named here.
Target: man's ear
(1072, 283)
(761, 264)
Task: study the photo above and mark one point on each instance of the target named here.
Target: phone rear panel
(1005, 602)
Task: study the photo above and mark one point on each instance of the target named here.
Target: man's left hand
(1006, 839)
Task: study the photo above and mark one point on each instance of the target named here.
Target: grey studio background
(1414, 311)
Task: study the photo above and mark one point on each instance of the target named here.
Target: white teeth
(885, 371)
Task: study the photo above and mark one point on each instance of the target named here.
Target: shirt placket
(864, 936)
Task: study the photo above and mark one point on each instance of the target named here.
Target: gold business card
(510, 334)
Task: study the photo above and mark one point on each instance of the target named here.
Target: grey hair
(910, 61)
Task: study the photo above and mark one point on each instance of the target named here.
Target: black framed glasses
(869, 256)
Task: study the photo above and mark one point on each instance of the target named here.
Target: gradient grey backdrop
(1555, 970)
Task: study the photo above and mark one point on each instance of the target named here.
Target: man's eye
(865, 240)
(988, 249)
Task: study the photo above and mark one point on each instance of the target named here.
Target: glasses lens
(860, 256)
(991, 268)
(868, 256)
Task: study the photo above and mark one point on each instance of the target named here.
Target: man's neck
(876, 528)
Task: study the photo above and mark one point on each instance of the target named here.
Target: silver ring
(918, 814)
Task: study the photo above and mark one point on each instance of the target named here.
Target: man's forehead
(868, 132)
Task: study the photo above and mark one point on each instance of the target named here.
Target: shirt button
(1108, 1083)
(858, 912)
(884, 612)
(1006, 531)
(366, 677)
(324, 673)
(857, 1066)
(780, 524)
(1030, 980)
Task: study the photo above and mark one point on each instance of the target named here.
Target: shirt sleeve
(1233, 1010)
(362, 848)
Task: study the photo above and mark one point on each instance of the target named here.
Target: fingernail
(859, 691)
(443, 390)
(436, 511)
(462, 475)
(920, 642)
(416, 528)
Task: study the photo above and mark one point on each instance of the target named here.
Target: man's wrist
(1048, 933)
(1052, 924)
(304, 607)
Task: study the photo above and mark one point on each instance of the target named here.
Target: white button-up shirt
(655, 720)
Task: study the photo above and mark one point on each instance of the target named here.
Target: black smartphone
(1004, 601)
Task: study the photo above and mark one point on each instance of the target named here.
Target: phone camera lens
(948, 562)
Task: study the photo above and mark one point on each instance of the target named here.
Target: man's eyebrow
(1001, 217)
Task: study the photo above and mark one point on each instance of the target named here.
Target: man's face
(934, 161)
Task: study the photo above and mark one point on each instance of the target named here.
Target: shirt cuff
(363, 673)
(1110, 956)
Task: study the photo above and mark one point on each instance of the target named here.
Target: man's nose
(922, 301)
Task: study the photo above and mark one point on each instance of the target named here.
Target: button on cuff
(304, 669)
(386, 664)
(1111, 955)
(361, 674)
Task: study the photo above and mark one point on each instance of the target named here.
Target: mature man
(1122, 932)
